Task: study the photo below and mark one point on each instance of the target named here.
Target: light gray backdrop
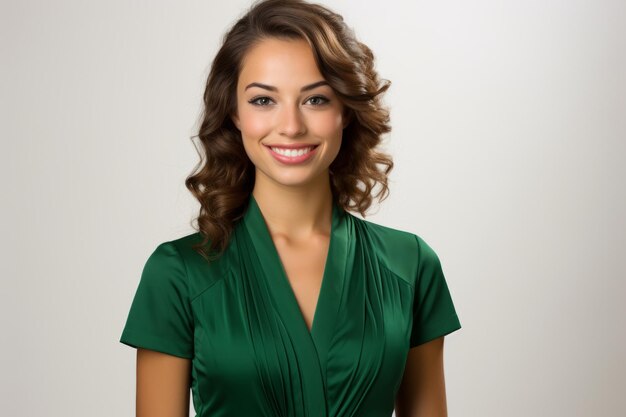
(508, 136)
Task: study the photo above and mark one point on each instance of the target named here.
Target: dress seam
(397, 276)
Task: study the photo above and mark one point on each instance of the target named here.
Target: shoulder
(397, 249)
(403, 252)
(199, 272)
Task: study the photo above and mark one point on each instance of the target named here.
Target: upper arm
(163, 383)
(422, 392)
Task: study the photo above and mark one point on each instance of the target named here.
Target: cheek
(253, 124)
(327, 122)
(329, 125)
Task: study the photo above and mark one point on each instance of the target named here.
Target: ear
(348, 114)
(235, 118)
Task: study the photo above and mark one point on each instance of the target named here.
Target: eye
(260, 101)
(318, 100)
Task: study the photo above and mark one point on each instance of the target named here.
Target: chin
(293, 182)
(294, 179)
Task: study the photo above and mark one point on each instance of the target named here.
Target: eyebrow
(272, 88)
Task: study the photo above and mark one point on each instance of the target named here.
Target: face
(290, 119)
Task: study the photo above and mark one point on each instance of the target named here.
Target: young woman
(284, 303)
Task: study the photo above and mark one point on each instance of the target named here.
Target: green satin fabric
(237, 319)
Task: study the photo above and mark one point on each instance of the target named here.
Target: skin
(422, 392)
(296, 202)
(163, 383)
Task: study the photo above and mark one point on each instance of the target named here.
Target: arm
(163, 383)
(422, 392)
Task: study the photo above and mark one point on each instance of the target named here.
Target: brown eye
(260, 101)
(318, 100)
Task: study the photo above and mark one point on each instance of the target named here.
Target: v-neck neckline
(312, 347)
(332, 279)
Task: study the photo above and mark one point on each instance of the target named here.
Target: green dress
(238, 320)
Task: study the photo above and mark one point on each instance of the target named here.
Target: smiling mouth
(291, 151)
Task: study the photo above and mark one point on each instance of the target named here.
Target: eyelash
(255, 99)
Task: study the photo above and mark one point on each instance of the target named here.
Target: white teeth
(292, 152)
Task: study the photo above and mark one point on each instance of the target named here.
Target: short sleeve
(434, 314)
(160, 316)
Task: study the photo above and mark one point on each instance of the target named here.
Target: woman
(284, 303)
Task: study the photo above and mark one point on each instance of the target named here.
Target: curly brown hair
(223, 179)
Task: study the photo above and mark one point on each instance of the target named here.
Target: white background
(509, 141)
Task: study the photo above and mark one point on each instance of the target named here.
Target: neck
(293, 212)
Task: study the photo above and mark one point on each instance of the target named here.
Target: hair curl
(223, 180)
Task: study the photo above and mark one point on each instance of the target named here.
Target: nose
(291, 122)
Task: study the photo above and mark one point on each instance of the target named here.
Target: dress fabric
(237, 319)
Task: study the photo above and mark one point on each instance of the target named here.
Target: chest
(259, 352)
(320, 329)
(249, 338)
(304, 265)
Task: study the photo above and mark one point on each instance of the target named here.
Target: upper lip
(291, 145)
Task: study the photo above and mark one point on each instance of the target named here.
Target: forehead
(286, 63)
